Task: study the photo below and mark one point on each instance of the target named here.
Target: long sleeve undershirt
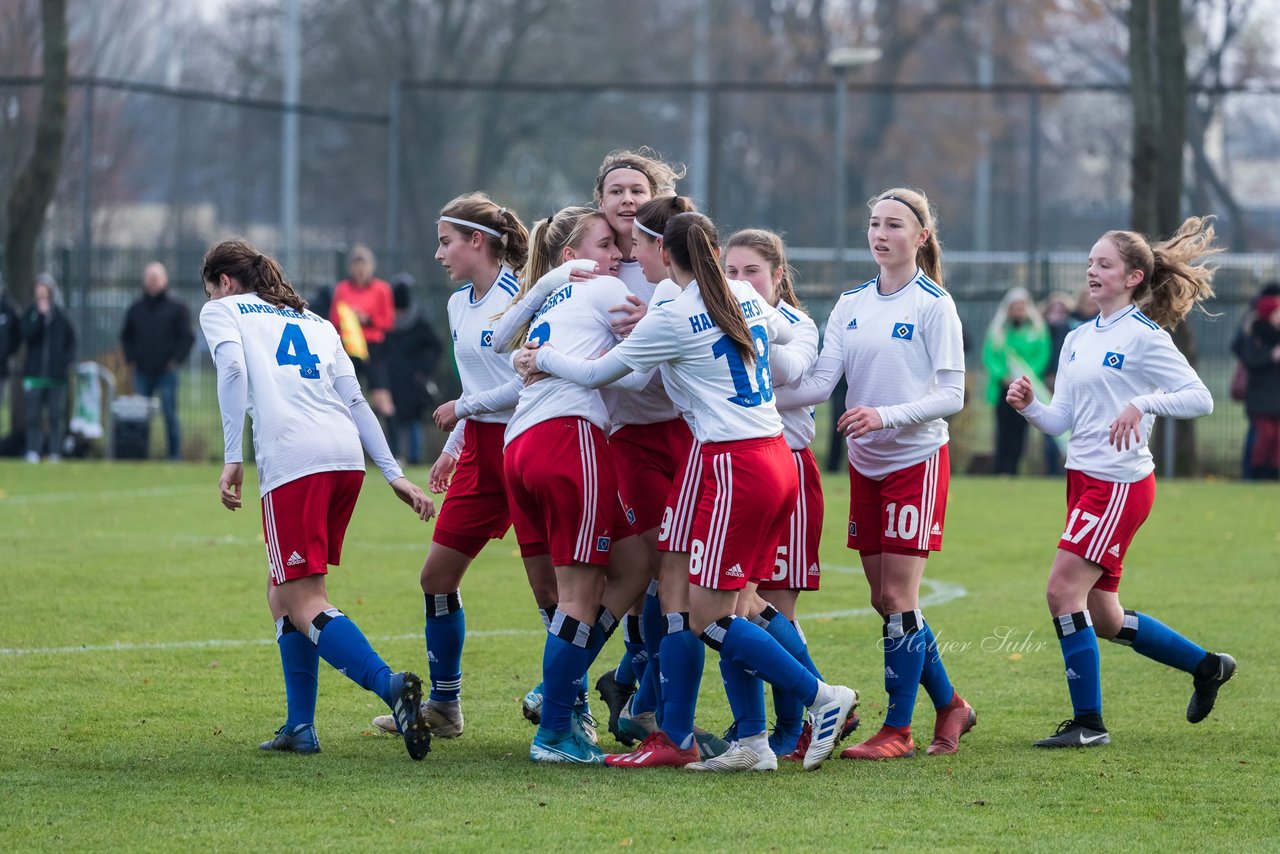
(371, 435)
(1193, 401)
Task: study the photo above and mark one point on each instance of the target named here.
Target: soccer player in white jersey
(651, 438)
(714, 336)
(286, 367)
(480, 246)
(897, 341)
(758, 257)
(560, 469)
(1115, 375)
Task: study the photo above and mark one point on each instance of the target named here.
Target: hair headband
(469, 224)
(910, 206)
(649, 231)
(626, 164)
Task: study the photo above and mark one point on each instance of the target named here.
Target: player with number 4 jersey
(286, 367)
(897, 340)
(1115, 375)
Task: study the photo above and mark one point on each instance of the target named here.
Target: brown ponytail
(656, 213)
(256, 273)
(690, 239)
(1173, 283)
(511, 247)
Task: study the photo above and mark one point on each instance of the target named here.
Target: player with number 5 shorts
(715, 338)
(286, 367)
(897, 341)
(1115, 375)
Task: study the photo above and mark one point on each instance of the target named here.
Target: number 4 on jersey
(293, 350)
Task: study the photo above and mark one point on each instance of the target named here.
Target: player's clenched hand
(1020, 395)
(526, 360)
(630, 313)
(229, 485)
(860, 421)
(1126, 430)
(410, 493)
(446, 415)
(441, 474)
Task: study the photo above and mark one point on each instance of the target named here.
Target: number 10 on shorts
(902, 522)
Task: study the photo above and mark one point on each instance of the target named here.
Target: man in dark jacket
(157, 338)
(10, 339)
(51, 348)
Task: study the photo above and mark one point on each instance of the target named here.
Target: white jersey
(653, 404)
(1104, 366)
(574, 320)
(291, 358)
(891, 347)
(798, 426)
(730, 400)
(471, 322)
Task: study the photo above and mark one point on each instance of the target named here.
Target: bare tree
(35, 185)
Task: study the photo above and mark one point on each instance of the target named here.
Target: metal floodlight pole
(841, 60)
(289, 139)
(393, 172)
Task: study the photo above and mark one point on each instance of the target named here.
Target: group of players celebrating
(638, 403)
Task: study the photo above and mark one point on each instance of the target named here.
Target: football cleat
(531, 705)
(300, 739)
(444, 719)
(1206, 689)
(565, 747)
(953, 720)
(615, 695)
(828, 714)
(802, 744)
(783, 742)
(1071, 733)
(406, 688)
(582, 723)
(739, 757)
(656, 751)
(708, 743)
(637, 727)
(889, 743)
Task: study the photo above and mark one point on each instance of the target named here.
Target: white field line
(106, 495)
(939, 592)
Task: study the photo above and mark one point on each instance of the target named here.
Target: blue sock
(746, 698)
(751, 647)
(1084, 673)
(632, 638)
(341, 643)
(788, 709)
(653, 623)
(934, 676)
(301, 664)
(564, 660)
(648, 696)
(682, 661)
(903, 664)
(446, 631)
(1152, 638)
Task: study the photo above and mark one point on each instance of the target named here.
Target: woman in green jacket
(1017, 343)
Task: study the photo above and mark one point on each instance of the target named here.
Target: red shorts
(564, 491)
(304, 522)
(650, 457)
(681, 502)
(475, 509)
(796, 566)
(749, 489)
(904, 513)
(1102, 518)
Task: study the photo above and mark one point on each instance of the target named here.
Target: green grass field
(138, 672)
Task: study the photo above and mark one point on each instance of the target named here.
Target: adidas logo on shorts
(295, 559)
(734, 571)
(1114, 551)
(937, 530)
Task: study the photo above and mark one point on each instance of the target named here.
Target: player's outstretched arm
(410, 493)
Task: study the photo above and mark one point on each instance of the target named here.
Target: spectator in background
(409, 356)
(1241, 393)
(51, 348)
(10, 339)
(157, 339)
(362, 310)
(1058, 313)
(1260, 352)
(1017, 343)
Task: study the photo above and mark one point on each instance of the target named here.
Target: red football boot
(954, 720)
(889, 743)
(656, 751)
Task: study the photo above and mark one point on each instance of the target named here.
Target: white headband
(469, 224)
(649, 231)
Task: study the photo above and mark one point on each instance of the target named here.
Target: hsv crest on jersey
(486, 338)
(1113, 360)
(904, 331)
(602, 544)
